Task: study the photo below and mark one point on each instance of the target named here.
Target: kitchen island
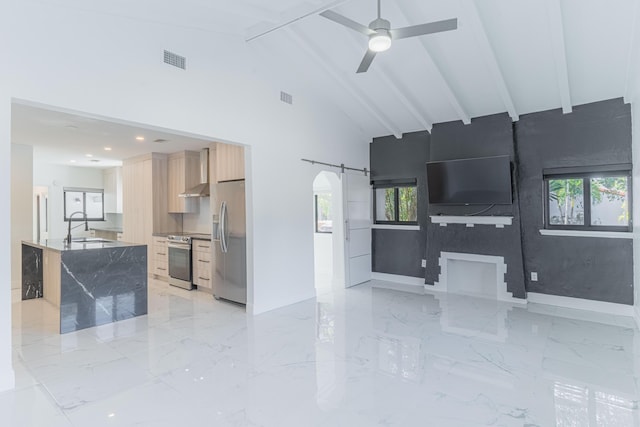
(91, 282)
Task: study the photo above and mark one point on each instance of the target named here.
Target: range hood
(202, 189)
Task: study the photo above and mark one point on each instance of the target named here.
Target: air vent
(160, 140)
(175, 60)
(286, 98)
(94, 161)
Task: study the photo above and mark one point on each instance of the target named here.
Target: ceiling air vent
(286, 98)
(160, 140)
(175, 60)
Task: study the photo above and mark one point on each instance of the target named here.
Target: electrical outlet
(534, 276)
(424, 263)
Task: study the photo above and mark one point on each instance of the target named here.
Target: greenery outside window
(598, 200)
(89, 201)
(395, 202)
(324, 221)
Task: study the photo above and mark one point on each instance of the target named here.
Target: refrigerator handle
(223, 222)
(221, 227)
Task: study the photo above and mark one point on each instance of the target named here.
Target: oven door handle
(182, 246)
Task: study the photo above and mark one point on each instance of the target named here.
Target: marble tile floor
(375, 355)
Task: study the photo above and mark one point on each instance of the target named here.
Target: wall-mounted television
(479, 181)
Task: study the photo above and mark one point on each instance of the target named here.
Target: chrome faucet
(86, 224)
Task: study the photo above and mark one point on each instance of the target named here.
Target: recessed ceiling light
(89, 155)
(139, 138)
(72, 161)
(107, 148)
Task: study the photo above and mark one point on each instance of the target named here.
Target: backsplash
(112, 220)
(198, 222)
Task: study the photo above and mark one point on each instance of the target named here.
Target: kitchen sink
(91, 240)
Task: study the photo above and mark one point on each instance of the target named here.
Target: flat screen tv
(480, 181)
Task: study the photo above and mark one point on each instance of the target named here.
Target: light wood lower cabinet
(160, 257)
(202, 261)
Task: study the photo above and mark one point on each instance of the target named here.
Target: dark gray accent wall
(593, 134)
(484, 137)
(599, 269)
(401, 251)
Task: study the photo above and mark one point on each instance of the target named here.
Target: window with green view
(396, 204)
(595, 201)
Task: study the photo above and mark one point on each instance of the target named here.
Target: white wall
(21, 207)
(115, 70)
(7, 377)
(56, 177)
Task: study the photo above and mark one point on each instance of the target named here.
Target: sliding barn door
(356, 191)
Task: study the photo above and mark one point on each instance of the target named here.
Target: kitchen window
(595, 199)
(395, 202)
(88, 201)
(324, 221)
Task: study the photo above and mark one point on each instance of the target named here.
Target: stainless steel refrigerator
(230, 241)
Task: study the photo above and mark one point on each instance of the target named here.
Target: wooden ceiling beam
(632, 58)
(330, 68)
(263, 29)
(554, 10)
(411, 9)
(483, 42)
(379, 71)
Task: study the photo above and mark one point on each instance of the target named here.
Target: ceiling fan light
(380, 41)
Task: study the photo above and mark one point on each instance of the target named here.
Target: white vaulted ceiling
(514, 56)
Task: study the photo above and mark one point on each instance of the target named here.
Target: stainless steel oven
(180, 261)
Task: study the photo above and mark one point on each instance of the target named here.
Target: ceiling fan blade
(421, 30)
(366, 61)
(343, 20)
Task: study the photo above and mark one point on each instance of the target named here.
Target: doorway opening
(328, 232)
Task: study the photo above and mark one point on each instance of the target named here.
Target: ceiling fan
(380, 33)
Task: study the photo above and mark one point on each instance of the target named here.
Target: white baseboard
(582, 304)
(406, 280)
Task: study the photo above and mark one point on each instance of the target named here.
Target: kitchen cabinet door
(184, 174)
(202, 264)
(145, 201)
(113, 198)
(160, 257)
(229, 162)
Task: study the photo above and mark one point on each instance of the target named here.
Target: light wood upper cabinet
(184, 173)
(112, 179)
(229, 162)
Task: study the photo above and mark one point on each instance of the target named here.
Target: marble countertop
(114, 229)
(197, 236)
(60, 245)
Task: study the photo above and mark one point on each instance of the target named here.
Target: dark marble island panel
(32, 271)
(91, 283)
(102, 286)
